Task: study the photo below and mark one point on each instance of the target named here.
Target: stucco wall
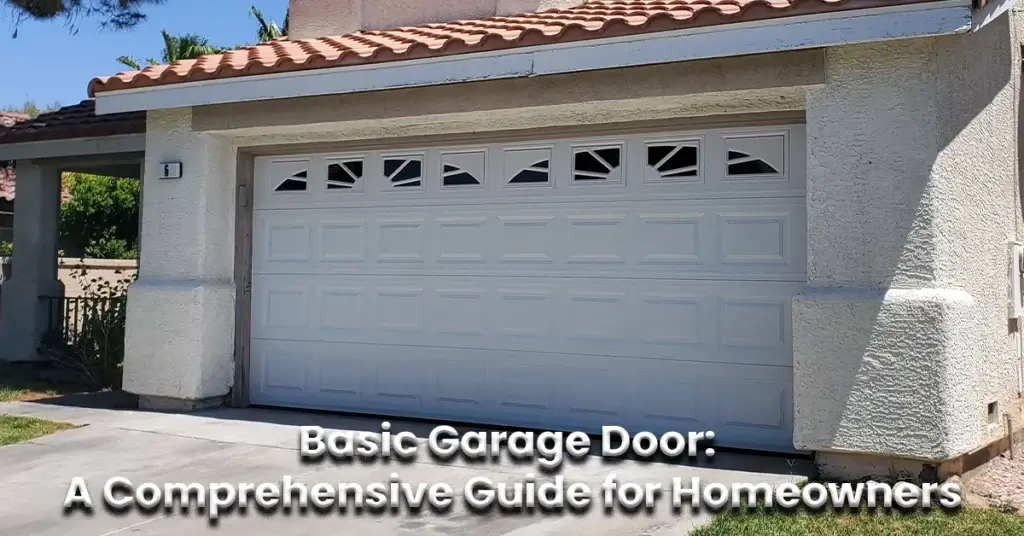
(901, 339)
(80, 274)
(180, 327)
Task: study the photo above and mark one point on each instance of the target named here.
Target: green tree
(268, 29)
(112, 14)
(176, 47)
(31, 109)
(101, 218)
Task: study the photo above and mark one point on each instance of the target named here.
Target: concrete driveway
(257, 445)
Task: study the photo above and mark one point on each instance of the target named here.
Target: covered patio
(71, 139)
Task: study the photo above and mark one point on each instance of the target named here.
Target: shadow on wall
(963, 95)
(78, 273)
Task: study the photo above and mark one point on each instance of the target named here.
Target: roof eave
(926, 19)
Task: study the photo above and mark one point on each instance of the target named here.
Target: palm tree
(176, 47)
(268, 29)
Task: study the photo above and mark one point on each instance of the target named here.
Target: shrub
(93, 350)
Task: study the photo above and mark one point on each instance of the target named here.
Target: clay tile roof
(6, 183)
(75, 121)
(589, 20)
(8, 119)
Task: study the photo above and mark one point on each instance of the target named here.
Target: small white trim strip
(842, 28)
(130, 143)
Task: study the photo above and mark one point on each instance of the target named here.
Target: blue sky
(48, 63)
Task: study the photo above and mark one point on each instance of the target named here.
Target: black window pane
(355, 168)
(657, 153)
(588, 163)
(461, 179)
(529, 176)
(611, 156)
(410, 171)
(291, 185)
(391, 166)
(753, 167)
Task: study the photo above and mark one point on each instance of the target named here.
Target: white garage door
(642, 280)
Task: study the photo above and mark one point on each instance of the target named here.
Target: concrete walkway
(255, 445)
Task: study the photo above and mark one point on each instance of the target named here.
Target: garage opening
(640, 280)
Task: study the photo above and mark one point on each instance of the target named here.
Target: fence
(71, 319)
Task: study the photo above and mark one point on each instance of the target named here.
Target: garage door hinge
(243, 200)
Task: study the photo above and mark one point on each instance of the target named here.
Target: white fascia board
(775, 35)
(130, 143)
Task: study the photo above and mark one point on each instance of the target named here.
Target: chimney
(320, 18)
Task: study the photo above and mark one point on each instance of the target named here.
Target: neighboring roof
(8, 119)
(75, 121)
(6, 183)
(590, 20)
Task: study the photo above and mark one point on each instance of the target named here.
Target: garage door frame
(245, 178)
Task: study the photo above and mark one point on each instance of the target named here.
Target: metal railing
(71, 318)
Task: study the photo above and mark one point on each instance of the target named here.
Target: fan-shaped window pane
(534, 174)
(596, 165)
(344, 175)
(668, 161)
(295, 183)
(404, 172)
(744, 164)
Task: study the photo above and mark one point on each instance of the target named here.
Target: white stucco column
(23, 316)
(180, 333)
(900, 339)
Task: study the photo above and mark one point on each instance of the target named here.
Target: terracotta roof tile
(8, 119)
(75, 121)
(6, 182)
(589, 20)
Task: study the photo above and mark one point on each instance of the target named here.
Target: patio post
(34, 264)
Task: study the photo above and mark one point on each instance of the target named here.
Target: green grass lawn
(17, 384)
(966, 522)
(17, 429)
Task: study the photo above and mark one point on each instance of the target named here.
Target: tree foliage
(33, 110)
(176, 47)
(113, 14)
(268, 29)
(101, 219)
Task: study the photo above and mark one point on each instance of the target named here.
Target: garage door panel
(761, 237)
(643, 280)
(747, 405)
(672, 320)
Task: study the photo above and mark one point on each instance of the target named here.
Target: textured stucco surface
(901, 338)
(180, 328)
(750, 83)
(34, 268)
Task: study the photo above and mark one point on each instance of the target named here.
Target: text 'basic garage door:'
(641, 280)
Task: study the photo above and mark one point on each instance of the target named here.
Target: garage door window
(673, 161)
(756, 156)
(528, 167)
(597, 165)
(345, 175)
(463, 169)
(404, 172)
